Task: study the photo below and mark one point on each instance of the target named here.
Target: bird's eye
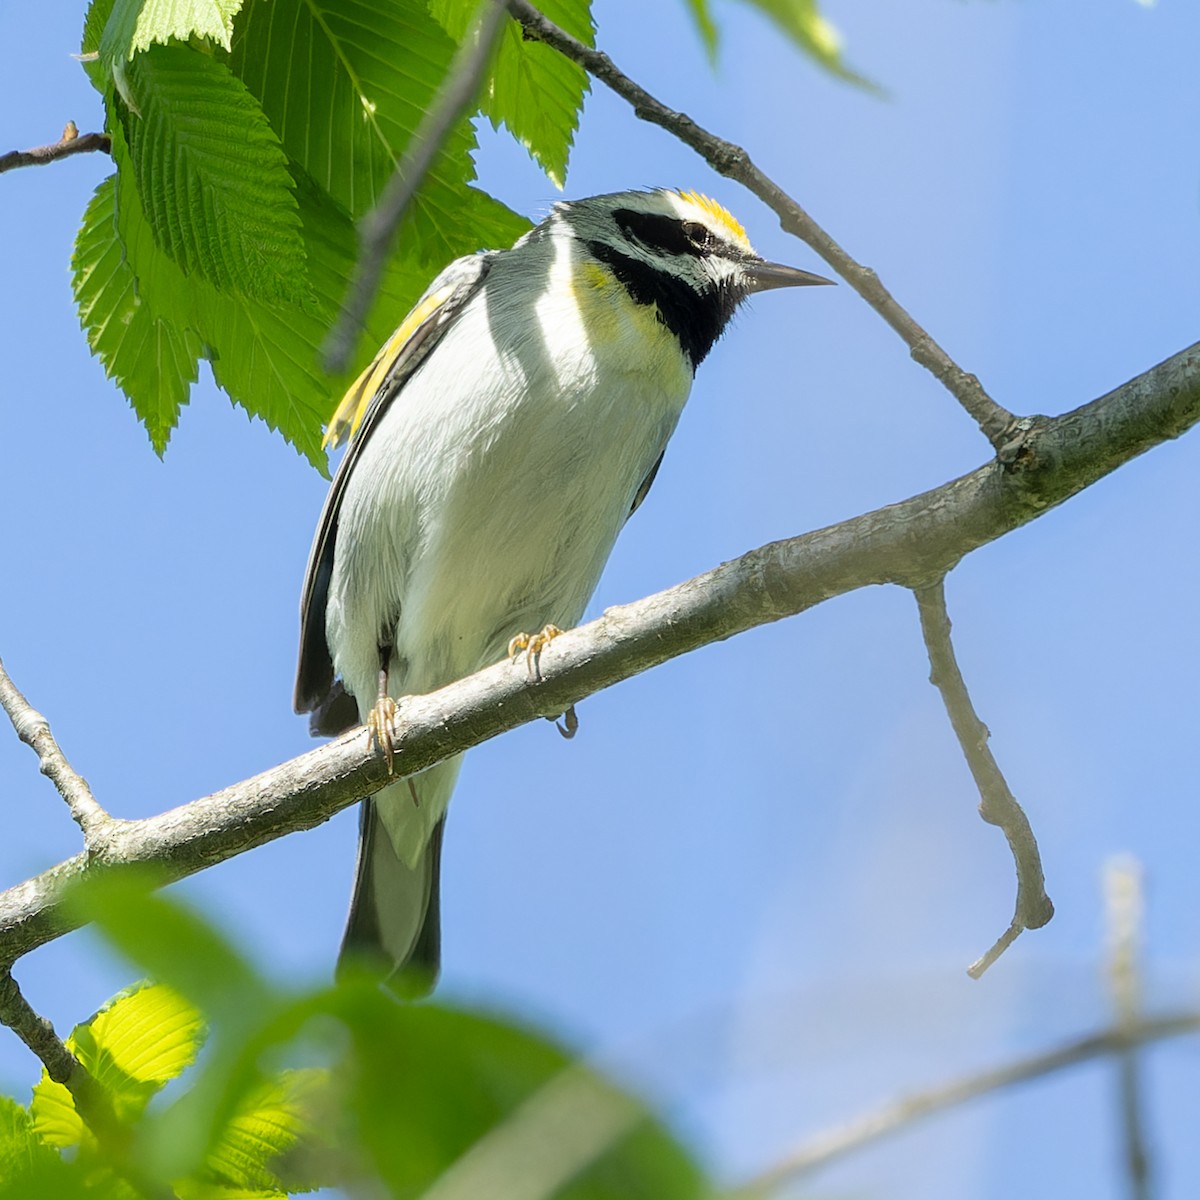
(664, 234)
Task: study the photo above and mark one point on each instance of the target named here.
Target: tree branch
(731, 160)
(34, 730)
(71, 142)
(36, 1032)
(997, 804)
(61, 1065)
(379, 226)
(912, 544)
(841, 1140)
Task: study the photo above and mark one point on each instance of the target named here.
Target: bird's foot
(381, 724)
(570, 724)
(533, 645)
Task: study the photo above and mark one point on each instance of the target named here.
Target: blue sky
(754, 880)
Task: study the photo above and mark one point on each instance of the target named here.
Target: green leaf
(53, 1109)
(28, 1166)
(705, 26)
(211, 175)
(269, 1121)
(183, 950)
(427, 1093)
(221, 240)
(198, 1189)
(149, 1033)
(94, 21)
(135, 25)
(802, 21)
(268, 358)
(138, 24)
(466, 1099)
(532, 89)
(148, 322)
(18, 1144)
(131, 1047)
(345, 83)
(264, 357)
(153, 361)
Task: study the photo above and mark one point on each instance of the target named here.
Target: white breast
(488, 498)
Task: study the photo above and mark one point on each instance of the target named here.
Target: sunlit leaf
(133, 26)
(130, 1048)
(54, 1115)
(137, 24)
(269, 1121)
(29, 1167)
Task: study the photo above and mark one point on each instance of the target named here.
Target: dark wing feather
(405, 350)
(646, 484)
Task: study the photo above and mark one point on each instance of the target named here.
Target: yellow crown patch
(719, 214)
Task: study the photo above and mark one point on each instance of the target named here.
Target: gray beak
(763, 276)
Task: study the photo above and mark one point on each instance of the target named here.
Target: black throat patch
(697, 319)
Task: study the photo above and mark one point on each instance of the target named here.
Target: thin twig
(1123, 908)
(731, 160)
(61, 1065)
(36, 1032)
(841, 1140)
(378, 227)
(71, 142)
(997, 804)
(34, 730)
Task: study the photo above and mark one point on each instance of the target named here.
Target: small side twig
(1123, 909)
(36, 1032)
(731, 160)
(379, 226)
(997, 804)
(34, 730)
(61, 1065)
(71, 142)
(841, 1140)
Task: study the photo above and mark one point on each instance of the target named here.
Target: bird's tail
(394, 927)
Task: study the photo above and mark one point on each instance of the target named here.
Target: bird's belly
(523, 535)
(487, 502)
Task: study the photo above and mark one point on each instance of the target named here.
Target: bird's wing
(358, 414)
(645, 486)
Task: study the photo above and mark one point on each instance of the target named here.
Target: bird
(497, 443)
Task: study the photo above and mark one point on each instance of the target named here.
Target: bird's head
(678, 250)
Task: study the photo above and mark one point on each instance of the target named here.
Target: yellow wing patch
(719, 215)
(349, 414)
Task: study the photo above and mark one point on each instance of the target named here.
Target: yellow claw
(532, 644)
(381, 725)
